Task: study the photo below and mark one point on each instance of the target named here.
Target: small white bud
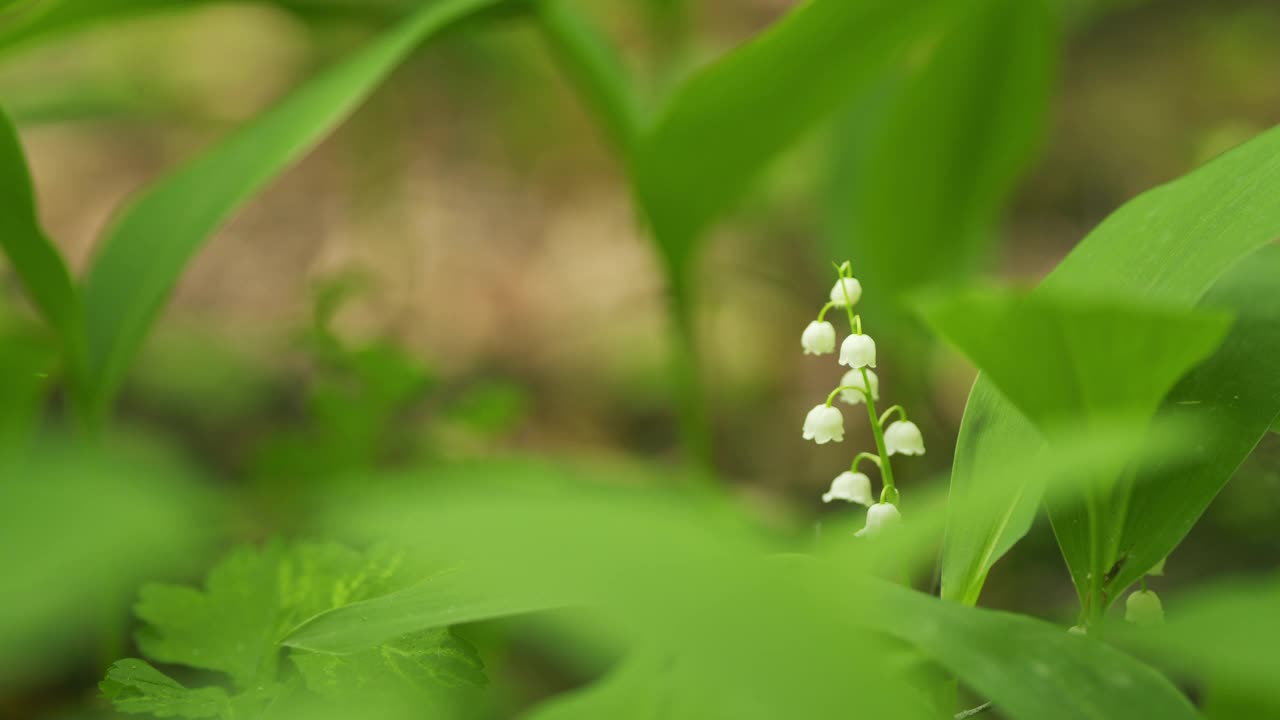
(858, 351)
(880, 517)
(1143, 608)
(824, 424)
(1077, 630)
(1158, 570)
(903, 438)
(819, 338)
(853, 379)
(846, 286)
(850, 486)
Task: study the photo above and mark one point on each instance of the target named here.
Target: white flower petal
(854, 487)
(853, 378)
(903, 438)
(824, 424)
(880, 517)
(819, 338)
(858, 351)
(846, 287)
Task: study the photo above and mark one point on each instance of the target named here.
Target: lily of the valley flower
(824, 424)
(853, 380)
(850, 486)
(903, 438)
(858, 351)
(1143, 608)
(880, 517)
(819, 338)
(847, 291)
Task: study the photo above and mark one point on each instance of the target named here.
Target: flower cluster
(859, 386)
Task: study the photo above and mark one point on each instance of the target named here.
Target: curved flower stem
(832, 397)
(822, 314)
(864, 456)
(902, 413)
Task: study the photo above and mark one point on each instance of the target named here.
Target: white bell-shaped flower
(824, 424)
(1144, 608)
(850, 486)
(858, 351)
(880, 517)
(853, 380)
(819, 338)
(903, 438)
(848, 288)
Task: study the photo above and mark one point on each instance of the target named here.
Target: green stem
(832, 396)
(695, 432)
(592, 65)
(902, 413)
(864, 456)
(890, 492)
(822, 314)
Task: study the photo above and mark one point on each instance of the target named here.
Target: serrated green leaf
(250, 601)
(701, 155)
(426, 659)
(926, 162)
(133, 686)
(33, 256)
(1167, 247)
(150, 244)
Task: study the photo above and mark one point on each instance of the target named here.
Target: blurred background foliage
(458, 273)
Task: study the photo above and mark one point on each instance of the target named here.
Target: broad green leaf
(451, 597)
(1234, 397)
(1075, 357)
(1167, 247)
(423, 659)
(1029, 668)
(925, 164)
(744, 632)
(34, 258)
(151, 243)
(727, 122)
(133, 686)
(59, 17)
(1225, 632)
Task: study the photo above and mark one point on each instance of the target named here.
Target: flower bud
(1143, 608)
(846, 287)
(819, 338)
(853, 379)
(824, 424)
(858, 351)
(880, 517)
(1158, 570)
(850, 486)
(903, 438)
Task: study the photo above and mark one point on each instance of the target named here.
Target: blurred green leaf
(133, 686)
(104, 517)
(1224, 632)
(737, 631)
(1029, 668)
(1059, 358)
(150, 244)
(1234, 397)
(35, 259)
(726, 123)
(925, 165)
(450, 597)
(422, 658)
(1167, 247)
